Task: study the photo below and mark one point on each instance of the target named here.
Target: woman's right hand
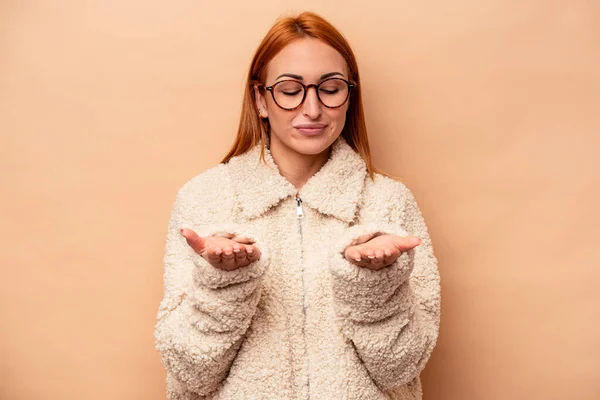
(226, 253)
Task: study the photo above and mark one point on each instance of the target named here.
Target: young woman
(293, 269)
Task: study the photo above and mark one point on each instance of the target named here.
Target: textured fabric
(302, 322)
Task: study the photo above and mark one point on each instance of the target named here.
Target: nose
(312, 106)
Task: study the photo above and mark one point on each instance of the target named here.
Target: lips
(311, 129)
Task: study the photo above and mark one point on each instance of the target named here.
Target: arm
(390, 315)
(205, 312)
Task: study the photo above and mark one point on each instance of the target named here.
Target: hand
(226, 253)
(380, 251)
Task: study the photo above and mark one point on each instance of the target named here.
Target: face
(311, 128)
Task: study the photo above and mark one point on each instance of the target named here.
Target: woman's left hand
(381, 251)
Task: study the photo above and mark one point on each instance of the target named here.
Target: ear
(261, 103)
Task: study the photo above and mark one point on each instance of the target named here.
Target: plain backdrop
(488, 111)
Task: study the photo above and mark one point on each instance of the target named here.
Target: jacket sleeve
(205, 312)
(391, 315)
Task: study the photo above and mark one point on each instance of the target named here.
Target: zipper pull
(299, 212)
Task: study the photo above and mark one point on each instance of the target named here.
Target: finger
(375, 266)
(193, 240)
(367, 251)
(391, 255)
(212, 257)
(390, 251)
(379, 256)
(240, 254)
(407, 242)
(242, 239)
(228, 258)
(353, 254)
(375, 255)
(253, 253)
(229, 264)
(241, 261)
(228, 253)
(390, 260)
(365, 260)
(362, 263)
(237, 248)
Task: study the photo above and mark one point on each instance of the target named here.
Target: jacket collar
(334, 190)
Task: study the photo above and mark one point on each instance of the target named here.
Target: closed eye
(291, 93)
(330, 91)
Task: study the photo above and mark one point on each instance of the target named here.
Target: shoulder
(387, 189)
(387, 199)
(206, 194)
(198, 184)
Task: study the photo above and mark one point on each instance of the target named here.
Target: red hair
(253, 130)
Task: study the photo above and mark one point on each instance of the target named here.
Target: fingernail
(249, 251)
(357, 259)
(236, 250)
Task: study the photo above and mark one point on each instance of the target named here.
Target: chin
(312, 145)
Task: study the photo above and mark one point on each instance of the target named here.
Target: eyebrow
(300, 78)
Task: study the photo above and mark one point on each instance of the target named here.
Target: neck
(297, 168)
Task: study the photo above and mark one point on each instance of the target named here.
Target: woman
(293, 270)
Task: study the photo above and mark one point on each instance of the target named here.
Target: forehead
(307, 57)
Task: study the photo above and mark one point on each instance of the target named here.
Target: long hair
(253, 129)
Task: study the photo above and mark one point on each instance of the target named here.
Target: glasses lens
(288, 94)
(333, 92)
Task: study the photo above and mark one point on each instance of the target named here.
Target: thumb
(192, 238)
(408, 242)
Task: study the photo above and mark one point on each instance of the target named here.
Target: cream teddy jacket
(301, 322)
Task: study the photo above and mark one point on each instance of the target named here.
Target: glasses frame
(350, 85)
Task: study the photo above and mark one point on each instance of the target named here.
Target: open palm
(226, 253)
(380, 251)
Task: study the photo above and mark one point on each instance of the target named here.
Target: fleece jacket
(301, 322)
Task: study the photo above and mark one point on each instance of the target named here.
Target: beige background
(489, 110)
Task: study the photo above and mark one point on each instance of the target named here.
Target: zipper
(299, 212)
(300, 216)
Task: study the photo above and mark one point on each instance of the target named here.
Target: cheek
(338, 117)
(279, 118)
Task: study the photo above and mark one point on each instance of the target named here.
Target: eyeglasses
(290, 94)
